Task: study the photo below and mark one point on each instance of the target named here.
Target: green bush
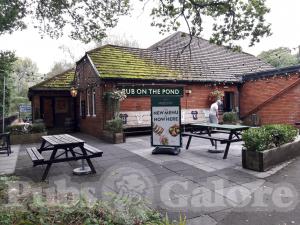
(268, 136)
(230, 117)
(37, 128)
(34, 209)
(115, 125)
(30, 129)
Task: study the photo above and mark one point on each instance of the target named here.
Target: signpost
(166, 123)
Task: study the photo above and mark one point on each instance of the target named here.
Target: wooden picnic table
(204, 130)
(63, 148)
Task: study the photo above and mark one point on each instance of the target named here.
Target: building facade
(168, 67)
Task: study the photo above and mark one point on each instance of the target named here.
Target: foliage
(26, 129)
(59, 67)
(12, 13)
(230, 117)
(233, 20)
(118, 40)
(85, 19)
(25, 74)
(114, 125)
(268, 136)
(215, 95)
(7, 59)
(34, 209)
(113, 99)
(88, 20)
(279, 57)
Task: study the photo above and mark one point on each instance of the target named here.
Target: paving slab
(196, 184)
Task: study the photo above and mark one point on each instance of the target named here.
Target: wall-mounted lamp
(73, 92)
(188, 91)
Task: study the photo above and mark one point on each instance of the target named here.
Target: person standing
(214, 112)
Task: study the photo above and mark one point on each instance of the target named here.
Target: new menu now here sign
(148, 91)
(165, 121)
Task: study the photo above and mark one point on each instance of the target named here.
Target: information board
(166, 121)
(24, 108)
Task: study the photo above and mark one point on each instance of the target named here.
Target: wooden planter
(114, 138)
(26, 138)
(263, 161)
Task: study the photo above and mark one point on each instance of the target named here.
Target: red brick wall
(89, 80)
(197, 99)
(284, 109)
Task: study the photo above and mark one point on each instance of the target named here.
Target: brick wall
(285, 108)
(89, 82)
(197, 99)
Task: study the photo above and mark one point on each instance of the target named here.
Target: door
(48, 112)
(228, 102)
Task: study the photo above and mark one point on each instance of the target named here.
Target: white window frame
(88, 102)
(94, 102)
(80, 112)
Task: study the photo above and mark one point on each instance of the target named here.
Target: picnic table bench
(60, 147)
(205, 131)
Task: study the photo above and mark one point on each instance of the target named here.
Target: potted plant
(113, 129)
(26, 133)
(268, 146)
(215, 95)
(230, 118)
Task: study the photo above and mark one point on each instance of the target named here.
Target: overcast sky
(284, 17)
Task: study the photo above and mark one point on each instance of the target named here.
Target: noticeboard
(166, 121)
(24, 108)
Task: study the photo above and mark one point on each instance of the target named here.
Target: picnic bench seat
(212, 139)
(34, 154)
(93, 150)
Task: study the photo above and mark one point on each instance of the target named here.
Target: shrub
(35, 209)
(37, 128)
(268, 136)
(28, 129)
(115, 125)
(230, 117)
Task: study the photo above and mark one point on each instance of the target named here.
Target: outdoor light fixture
(73, 92)
(188, 91)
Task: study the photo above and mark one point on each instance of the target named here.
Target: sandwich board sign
(166, 123)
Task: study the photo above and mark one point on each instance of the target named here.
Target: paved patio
(200, 185)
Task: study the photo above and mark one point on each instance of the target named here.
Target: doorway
(228, 102)
(48, 112)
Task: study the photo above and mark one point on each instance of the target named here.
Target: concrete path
(8, 163)
(199, 185)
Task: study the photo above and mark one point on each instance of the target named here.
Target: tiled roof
(62, 81)
(203, 61)
(121, 62)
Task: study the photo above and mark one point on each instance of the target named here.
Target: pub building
(250, 86)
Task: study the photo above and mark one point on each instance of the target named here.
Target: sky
(284, 17)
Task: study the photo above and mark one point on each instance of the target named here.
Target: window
(88, 102)
(80, 109)
(94, 102)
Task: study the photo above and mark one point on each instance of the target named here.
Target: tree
(119, 41)
(279, 57)
(7, 59)
(58, 68)
(89, 19)
(25, 74)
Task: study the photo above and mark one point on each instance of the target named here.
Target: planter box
(26, 138)
(263, 161)
(115, 138)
